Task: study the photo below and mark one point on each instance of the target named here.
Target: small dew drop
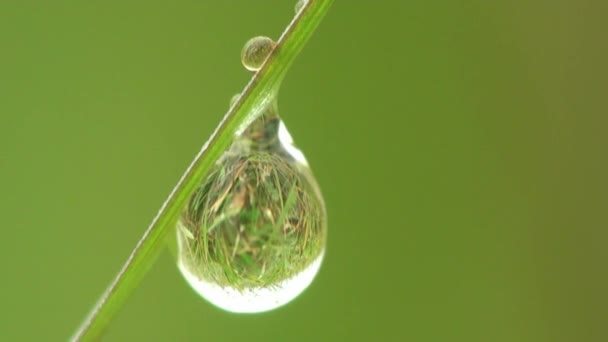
(234, 98)
(300, 4)
(255, 52)
(252, 236)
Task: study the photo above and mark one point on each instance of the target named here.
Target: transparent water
(253, 236)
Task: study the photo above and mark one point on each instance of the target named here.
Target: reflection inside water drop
(253, 234)
(257, 299)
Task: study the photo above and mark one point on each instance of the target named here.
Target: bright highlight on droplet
(257, 299)
(253, 234)
(255, 52)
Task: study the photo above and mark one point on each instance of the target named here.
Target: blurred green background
(461, 147)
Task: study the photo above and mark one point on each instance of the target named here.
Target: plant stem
(258, 93)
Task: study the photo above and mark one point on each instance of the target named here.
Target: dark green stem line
(258, 94)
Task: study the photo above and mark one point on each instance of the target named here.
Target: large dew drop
(253, 234)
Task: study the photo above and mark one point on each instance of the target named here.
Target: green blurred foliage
(461, 147)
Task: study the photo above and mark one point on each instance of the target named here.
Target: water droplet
(234, 98)
(300, 4)
(255, 52)
(252, 236)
